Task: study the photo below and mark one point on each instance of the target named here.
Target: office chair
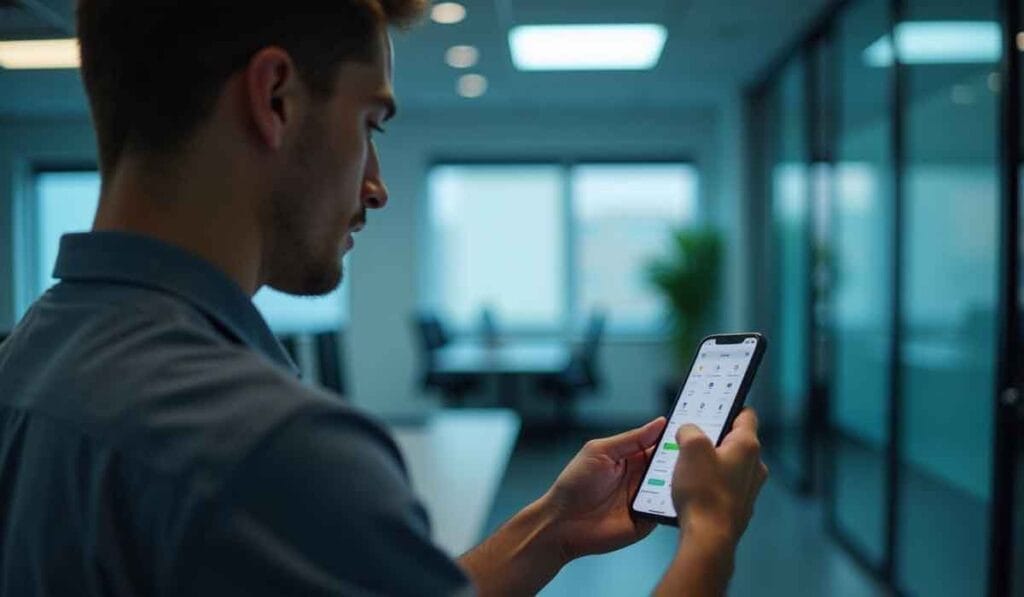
(431, 336)
(329, 359)
(580, 375)
(290, 343)
(489, 328)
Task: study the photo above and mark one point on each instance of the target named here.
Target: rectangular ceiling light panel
(39, 53)
(938, 42)
(587, 47)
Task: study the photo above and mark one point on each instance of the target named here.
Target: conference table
(528, 357)
(506, 362)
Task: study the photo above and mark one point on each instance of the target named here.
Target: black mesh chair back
(583, 368)
(291, 346)
(329, 359)
(432, 334)
(489, 328)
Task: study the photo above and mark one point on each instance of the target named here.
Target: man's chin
(314, 283)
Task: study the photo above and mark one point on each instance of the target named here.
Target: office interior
(849, 172)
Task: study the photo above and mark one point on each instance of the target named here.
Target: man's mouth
(350, 236)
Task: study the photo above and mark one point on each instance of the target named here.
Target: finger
(747, 419)
(691, 440)
(743, 428)
(636, 465)
(762, 475)
(741, 445)
(632, 441)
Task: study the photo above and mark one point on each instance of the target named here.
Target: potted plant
(688, 279)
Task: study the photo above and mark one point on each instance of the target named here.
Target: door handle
(1011, 399)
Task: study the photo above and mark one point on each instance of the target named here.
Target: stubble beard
(303, 265)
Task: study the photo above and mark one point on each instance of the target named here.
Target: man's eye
(375, 127)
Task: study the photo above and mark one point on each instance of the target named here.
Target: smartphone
(711, 397)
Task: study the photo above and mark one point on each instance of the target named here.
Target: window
(624, 213)
(297, 314)
(66, 202)
(499, 243)
(544, 245)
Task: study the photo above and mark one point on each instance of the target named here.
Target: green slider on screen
(670, 446)
(656, 482)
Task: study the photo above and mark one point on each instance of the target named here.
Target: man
(155, 438)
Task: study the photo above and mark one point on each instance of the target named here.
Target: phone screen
(706, 400)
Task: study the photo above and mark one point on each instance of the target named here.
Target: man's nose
(375, 193)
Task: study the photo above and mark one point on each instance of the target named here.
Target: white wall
(385, 266)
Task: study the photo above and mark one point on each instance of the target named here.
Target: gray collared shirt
(156, 440)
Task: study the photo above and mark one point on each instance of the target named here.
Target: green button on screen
(655, 481)
(669, 446)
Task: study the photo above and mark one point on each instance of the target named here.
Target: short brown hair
(153, 68)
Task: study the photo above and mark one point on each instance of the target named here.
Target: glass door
(791, 257)
(949, 276)
(862, 291)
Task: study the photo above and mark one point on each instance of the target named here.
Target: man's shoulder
(160, 385)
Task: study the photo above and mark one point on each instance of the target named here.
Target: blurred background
(580, 189)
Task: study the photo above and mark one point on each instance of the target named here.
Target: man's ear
(272, 84)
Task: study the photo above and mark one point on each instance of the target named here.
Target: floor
(784, 552)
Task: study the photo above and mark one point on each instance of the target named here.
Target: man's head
(294, 88)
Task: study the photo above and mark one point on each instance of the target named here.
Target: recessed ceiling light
(461, 56)
(448, 13)
(587, 47)
(938, 42)
(39, 53)
(472, 85)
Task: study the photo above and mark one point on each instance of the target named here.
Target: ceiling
(714, 47)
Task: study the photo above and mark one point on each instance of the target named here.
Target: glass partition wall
(882, 173)
(789, 250)
(949, 263)
(862, 299)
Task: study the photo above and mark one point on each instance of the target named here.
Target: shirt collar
(140, 260)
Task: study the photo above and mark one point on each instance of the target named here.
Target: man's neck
(209, 213)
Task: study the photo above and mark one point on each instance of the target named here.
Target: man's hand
(714, 491)
(586, 511)
(717, 487)
(590, 499)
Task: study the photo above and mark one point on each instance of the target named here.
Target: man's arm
(585, 512)
(521, 557)
(702, 566)
(714, 492)
(320, 508)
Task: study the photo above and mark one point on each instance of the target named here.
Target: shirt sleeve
(323, 508)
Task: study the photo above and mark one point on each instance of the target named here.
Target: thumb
(691, 440)
(631, 442)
